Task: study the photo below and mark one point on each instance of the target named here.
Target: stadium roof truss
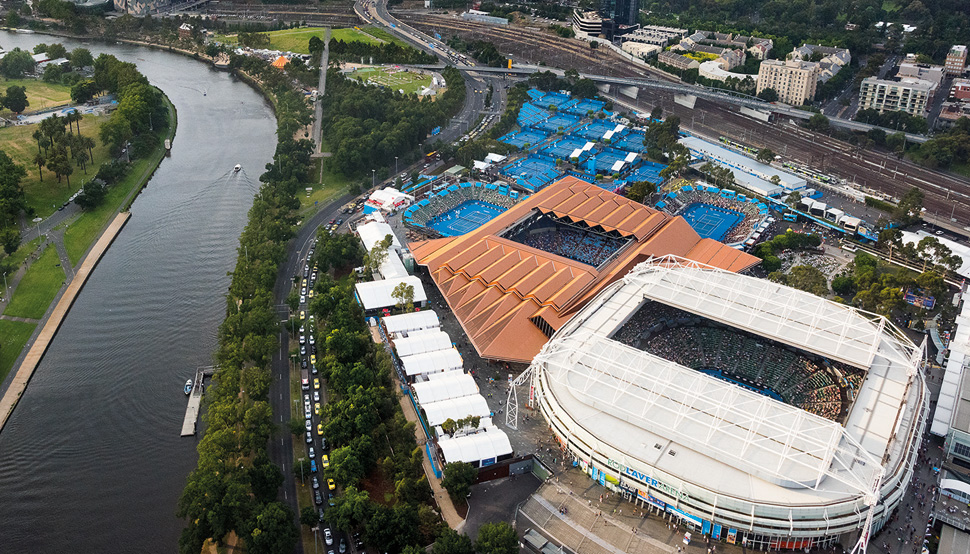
(752, 432)
(782, 313)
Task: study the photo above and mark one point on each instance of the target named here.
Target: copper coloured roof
(496, 286)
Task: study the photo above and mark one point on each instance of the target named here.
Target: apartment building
(795, 81)
(956, 60)
(906, 95)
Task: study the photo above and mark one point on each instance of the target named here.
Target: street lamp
(395, 165)
(6, 291)
(373, 178)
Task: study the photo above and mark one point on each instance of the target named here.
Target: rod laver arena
(756, 412)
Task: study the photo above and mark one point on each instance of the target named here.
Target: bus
(430, 157)
(790, 216)
(305, 379)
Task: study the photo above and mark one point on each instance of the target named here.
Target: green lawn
(394, 79)
(381, 34)
(323, 193)
(38, 288)
(13, 337)
(83, 231)
(298, 40)
(40, 95)
(18, 257)
(47, 195)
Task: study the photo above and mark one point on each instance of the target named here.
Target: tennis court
(711, 221)
(464, 217)
(523, 137)
(561, 149)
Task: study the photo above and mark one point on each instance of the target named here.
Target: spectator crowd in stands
(576, 244)
(740, 232)
(822, 387)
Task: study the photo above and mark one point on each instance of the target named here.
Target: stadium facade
(734, 461)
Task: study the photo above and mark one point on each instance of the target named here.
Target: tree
(640, 190)
(316, 45)
(452, 542)
(273, 531)
(10, 238)
(301, 467)
(910, 207)
(115, 131)
(81, 58)
(83, 91)
(818, 122)
(15, 99)
(16, 64)
(458, 479)
(768, 95)
(56, 51)
(765, 155)
(11, 193)
(794, 199)
(40, 159)
(496, 538)
(809, 279)
(309, 517)
(404, 294)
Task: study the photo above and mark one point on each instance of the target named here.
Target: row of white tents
(443, 390)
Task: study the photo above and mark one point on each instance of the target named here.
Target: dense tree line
(11, 203)
(235, 485)
(877, 286)
(901, 121)
(482, 50)
(366, 126)
(372, 444)
(946, 149)
(547, 10)
(790, 240)
(387, 52)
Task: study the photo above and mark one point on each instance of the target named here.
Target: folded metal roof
(496, 286)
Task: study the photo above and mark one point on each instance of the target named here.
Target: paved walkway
(445, 504)
(36, 350)
(321, 89)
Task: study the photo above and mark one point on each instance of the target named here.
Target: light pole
(373, 178)
(6, 290)
(395, 165)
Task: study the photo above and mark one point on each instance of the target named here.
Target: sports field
(298, 40)
(463, 218)
(393, 78)
(711, 221)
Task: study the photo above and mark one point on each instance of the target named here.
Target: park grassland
(38, 287)
(40, 95)
(298, 40)
(13, 336)
(47, 195)
(396, 80)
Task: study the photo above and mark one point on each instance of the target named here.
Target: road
(281, 451)
(321, 90)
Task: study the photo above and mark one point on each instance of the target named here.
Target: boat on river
(188, 387)
(237, 168)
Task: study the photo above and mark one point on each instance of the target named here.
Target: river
(91, 459)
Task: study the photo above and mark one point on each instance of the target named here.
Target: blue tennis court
(523, 137)
(711, 221)
(464, 217)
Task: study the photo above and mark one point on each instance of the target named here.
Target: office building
(622, 12)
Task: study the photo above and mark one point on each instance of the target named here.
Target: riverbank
(85, 238)
(33, 357)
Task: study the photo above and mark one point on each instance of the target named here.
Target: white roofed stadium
(754, 411)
